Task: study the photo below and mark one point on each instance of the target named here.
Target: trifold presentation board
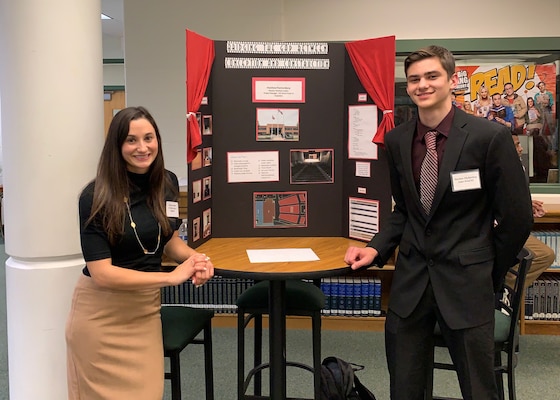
(287, 147)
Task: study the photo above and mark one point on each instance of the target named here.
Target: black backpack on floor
(338, 381)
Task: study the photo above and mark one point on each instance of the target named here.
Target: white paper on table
(281, 255)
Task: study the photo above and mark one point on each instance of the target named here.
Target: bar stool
(180, 327)
(302, 299)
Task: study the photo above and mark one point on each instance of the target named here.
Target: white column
(51, 89)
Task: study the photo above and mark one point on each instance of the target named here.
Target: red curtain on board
(200, 56)
(374, 63)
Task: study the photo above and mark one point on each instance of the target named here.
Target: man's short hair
(445, 57)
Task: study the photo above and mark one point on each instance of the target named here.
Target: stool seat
(302, 299)
(299, 296)
(180, 327)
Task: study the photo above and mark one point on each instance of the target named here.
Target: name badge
(465, 180)
(172, 209)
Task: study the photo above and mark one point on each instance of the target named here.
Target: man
(454, 252)
(500, 113)
(543, 255)
(518, 107)
(544, 103)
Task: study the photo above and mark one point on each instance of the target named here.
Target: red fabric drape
(200, 56)
(374, 63)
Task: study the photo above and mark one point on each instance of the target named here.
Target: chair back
(516, 293)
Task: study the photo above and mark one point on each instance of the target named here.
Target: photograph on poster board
(199, 120)
(277, 124)
(195, 229)
(206, 124)
(311, 166)
(197, 191)
(278, 90)
(206, 222)
(280, 209)
(363, 218)
(207, 156)
(207, 188)
(197, 160)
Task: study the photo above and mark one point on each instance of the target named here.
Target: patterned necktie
(429, 172)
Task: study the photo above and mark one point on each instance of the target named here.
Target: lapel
(406, 156)
(455, 142)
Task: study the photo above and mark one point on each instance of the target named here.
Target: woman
(483, 103)
(467, 107)
(533, 117)
(128, 219)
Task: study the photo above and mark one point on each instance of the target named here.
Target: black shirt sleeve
(94, 240)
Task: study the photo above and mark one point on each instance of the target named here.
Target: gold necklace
(133, 225)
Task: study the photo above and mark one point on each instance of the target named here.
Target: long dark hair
(112, 185)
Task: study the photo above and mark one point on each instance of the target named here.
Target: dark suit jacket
(457, 247)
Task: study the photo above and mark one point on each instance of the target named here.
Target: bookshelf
(221, 293)
(551, 221)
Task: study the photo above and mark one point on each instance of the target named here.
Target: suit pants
(409, 342)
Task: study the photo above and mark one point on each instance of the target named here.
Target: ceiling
(114, 9)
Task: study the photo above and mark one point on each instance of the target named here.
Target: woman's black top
(127, 252)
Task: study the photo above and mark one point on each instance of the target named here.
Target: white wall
(113, 75)
(334, 20)
(113, 48)
(155, 37)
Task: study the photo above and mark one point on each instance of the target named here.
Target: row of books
(552, 239)
(219, 294)
(541, 299)
(358, 297)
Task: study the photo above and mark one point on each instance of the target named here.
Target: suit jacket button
(428, 232)
(430, 263)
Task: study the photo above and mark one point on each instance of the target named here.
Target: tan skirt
(114, 344)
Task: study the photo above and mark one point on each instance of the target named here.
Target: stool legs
(208, 363)
(242, 322)
(175, 367)
(175, 375)
(240, 354)
(316, 332)
(258, 354)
